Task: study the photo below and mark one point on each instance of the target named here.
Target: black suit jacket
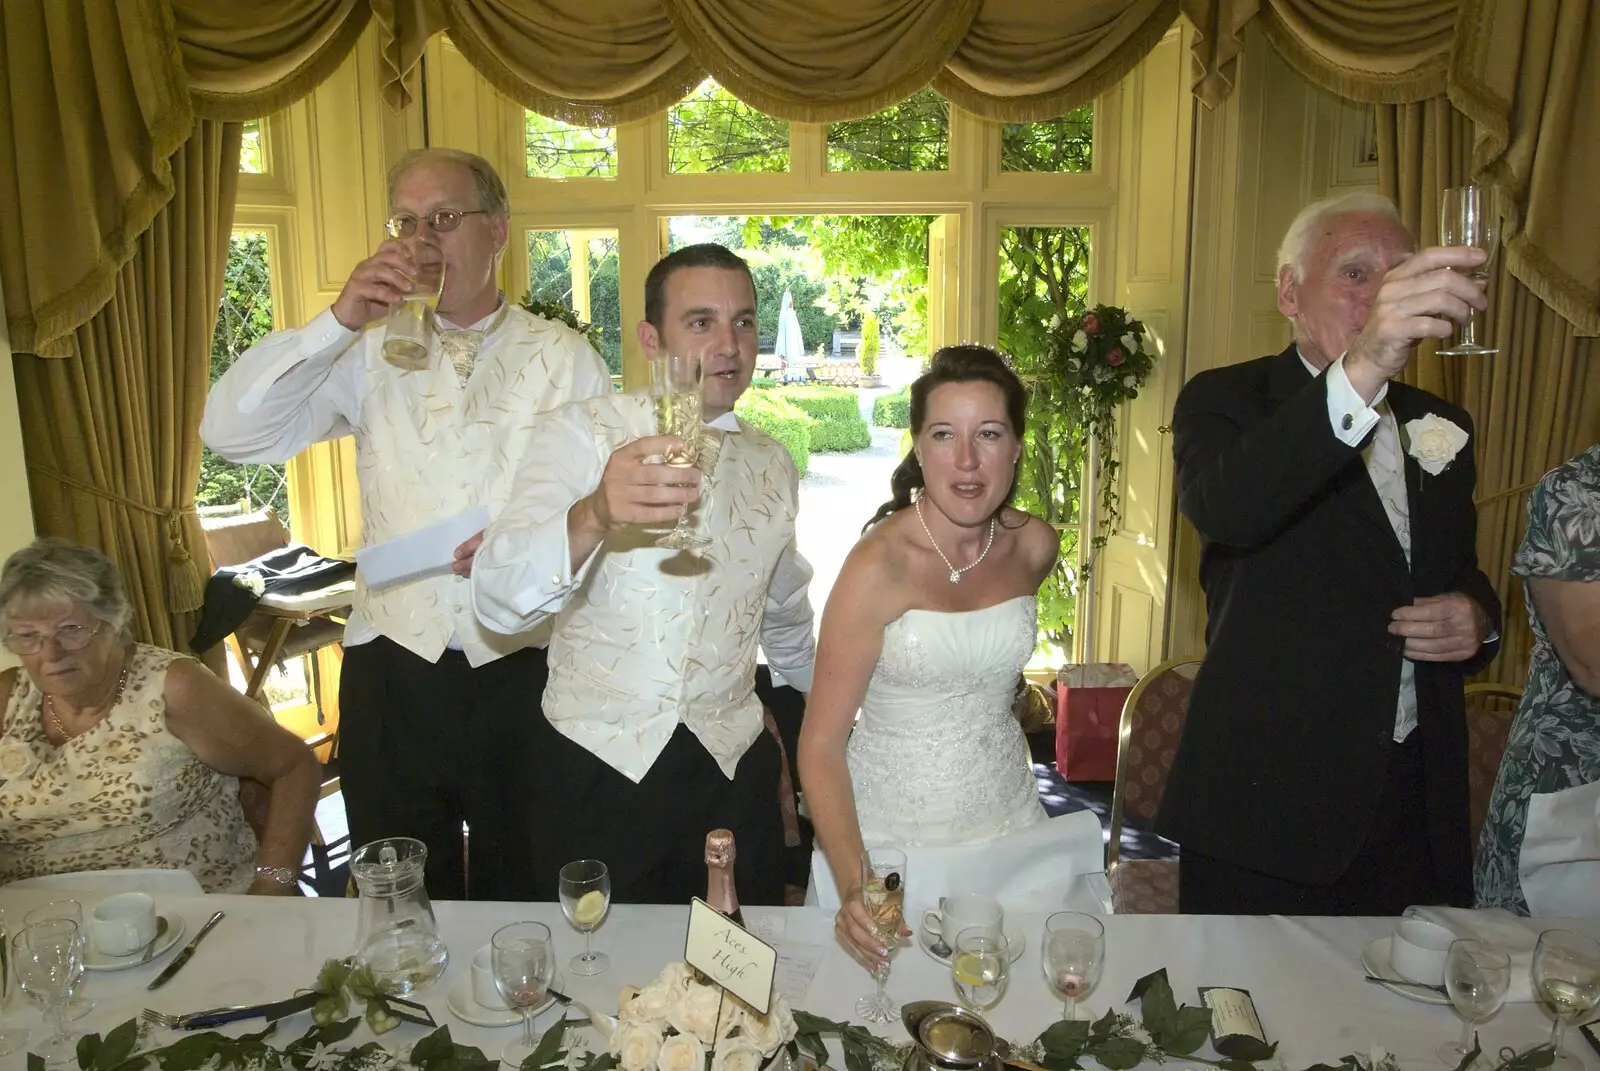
(1291, 724)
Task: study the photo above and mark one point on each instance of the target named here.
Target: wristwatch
(283, 875)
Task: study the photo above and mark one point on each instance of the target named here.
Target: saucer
(1375, 958)
(463, 1007)
(1014, 941)
(95, 960)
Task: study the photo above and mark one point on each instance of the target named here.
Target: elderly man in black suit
(1323, 765)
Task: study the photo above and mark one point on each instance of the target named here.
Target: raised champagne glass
(883, 891)
(1566, 975)
(675, 393)
(1470, 215)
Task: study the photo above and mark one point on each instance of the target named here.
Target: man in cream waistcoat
(652, 734)
(432, 733)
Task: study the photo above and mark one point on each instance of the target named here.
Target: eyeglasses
(67, 637)
(404, 224)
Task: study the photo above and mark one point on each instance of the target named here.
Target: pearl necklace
(50, 705)
(955, 574)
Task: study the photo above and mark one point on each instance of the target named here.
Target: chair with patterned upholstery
(1152, 722)
(1490, 708)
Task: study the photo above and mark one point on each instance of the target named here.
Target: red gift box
(1089, 700)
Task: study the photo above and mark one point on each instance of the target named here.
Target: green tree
(711, 130)
(554, 149)
(913, 135)
(868, 353)
(1065, 143)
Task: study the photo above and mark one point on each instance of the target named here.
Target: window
(244, 318)
(711, 131)
(560, 150)
(577, 271)
(913, 135)
(1065, 143)
(252, 149)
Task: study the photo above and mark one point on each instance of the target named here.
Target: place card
(409, 1011)
(730, 955)
(1235, 1027)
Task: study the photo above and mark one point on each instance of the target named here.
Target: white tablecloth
(1304, 973)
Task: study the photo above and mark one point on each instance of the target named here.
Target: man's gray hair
(491, 190)
(53, 572)
(1300, 236)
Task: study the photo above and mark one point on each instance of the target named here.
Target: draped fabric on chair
(110, 436)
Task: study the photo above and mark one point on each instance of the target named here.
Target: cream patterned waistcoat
(655, 636)
(430, 446)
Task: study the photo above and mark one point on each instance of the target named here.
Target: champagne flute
(1566, 975)
(585, 897)
(49, 960)
(1470, 215)
(981, 968)
(10, 1039)
(74, 1007)
(1476, 975)
(1072, 953)
(883, 891)
(405, 339)
(524, 963)
(675, 391)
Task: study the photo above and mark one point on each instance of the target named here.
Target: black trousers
(427, 746)
(652, 835)
(1393, 870)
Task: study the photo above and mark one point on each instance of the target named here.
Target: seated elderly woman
(117, 754)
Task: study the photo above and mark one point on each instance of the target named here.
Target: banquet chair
(1490, 708)
(328, 870)
(1152, 722)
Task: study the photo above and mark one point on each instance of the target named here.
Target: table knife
(276, 1010)
(183, 957)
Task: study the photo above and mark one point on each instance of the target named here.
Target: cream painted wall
(1277, 145)
(16, 520)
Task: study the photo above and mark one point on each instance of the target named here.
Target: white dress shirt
(645, 637)
(429, 443)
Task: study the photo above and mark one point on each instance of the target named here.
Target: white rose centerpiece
(677, 1021)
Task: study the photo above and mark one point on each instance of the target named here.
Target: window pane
(591, 295)
(913, 135)
(1065, 143)
(252, 156)
(243, 319)
(711, 131)
(561, 150)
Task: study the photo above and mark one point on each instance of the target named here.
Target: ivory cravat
(460, 347)
(1387, 469)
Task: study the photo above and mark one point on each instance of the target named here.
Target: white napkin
(1559, 865)
(1513, 935)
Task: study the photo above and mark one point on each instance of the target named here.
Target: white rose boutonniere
(1434, 442)
(16, 760)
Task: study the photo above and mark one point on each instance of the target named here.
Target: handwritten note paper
(730, 955)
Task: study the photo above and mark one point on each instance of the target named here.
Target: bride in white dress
(926, 633)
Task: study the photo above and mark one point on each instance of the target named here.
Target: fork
(150, 1015)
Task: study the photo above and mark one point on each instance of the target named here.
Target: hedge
(837, 412)
(769, 411)
(893, 410)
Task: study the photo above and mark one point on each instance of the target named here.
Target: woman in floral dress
(1555, 739)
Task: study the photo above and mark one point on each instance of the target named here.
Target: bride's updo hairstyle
(953, 364)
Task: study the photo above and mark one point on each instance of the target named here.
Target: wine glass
(981, 967)
(75, 1007)
(524, 963)
(1476, 975)
(1470, 215)
(49, 961)
(1566, 974)
(10, 1039)
(585, 897)
(1072, 953)
(675, 392)
(883, 891)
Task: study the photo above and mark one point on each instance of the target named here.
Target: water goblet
(1470, 215)
(585, 897)
(981, 968)
(1072, 953)
(1566, 975)
(883, 891)
(524, 963)
(1476, 975)
(405, 336)
(675, 393)
(11, 1038)
(74, 1007)
(49, 961)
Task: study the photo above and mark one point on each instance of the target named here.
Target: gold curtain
(113, 457)
(1535, 403)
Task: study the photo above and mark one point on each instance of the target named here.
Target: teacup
(123, 924)
(964, 911)
(1418, 949)
(484, 991)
